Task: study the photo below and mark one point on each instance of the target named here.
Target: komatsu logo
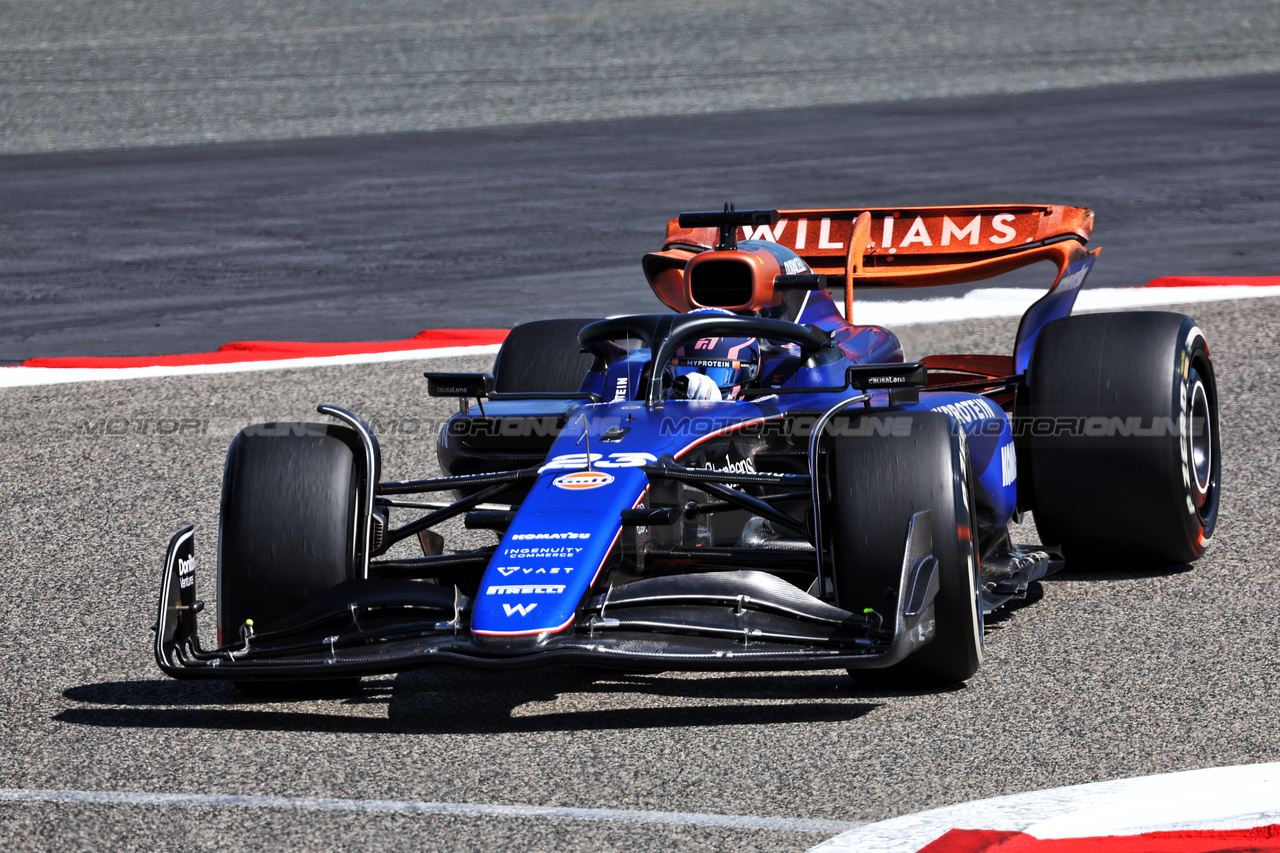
(531, 589)
(518, 537)
(522, 609)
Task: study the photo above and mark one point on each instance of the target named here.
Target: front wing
(700, 620)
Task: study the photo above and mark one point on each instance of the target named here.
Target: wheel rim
(971, 556)
(1200, 441)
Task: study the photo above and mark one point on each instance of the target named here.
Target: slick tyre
(287, 531)
(1123, 437)
(875, 483)
(542, 356)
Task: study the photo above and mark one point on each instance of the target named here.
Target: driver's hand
(701, 387)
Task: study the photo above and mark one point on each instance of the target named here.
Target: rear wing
(907, 247)
(914, 247)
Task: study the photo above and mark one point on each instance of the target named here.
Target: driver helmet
(727, 364)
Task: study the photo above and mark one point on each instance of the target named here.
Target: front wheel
(288, 521)
(877, 479)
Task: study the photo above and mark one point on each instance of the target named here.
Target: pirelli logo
(526, 589)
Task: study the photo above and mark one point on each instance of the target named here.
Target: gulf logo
(579, 480)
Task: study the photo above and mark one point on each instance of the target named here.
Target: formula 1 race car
(750, 482)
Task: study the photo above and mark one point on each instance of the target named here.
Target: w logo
(522, 609)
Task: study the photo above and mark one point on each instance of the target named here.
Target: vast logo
(508, 571)
(580, 480)
(522, 609)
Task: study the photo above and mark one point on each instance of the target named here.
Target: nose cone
(552, 554)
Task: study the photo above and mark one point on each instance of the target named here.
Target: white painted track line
(140, 798)
(12, 377)
(1219, 798)
(1013, 301)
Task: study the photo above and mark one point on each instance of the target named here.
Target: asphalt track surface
(375, 238)
(1104, 674)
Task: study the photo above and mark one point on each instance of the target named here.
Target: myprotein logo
(968, 411)
(1008, 465)
(620, 390)
(1074, 280)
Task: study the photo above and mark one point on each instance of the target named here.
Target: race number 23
(600, 460)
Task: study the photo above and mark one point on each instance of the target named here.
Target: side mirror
(461, 385)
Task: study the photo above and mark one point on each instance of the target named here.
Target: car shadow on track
(1117, 569)
(440, 701)
(1093, 570)
(994, 622)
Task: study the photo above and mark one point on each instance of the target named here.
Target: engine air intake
(721, 283)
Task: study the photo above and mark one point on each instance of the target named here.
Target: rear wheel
(287, 531)
(1123, 436)
(542, 356)
(877, 482)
